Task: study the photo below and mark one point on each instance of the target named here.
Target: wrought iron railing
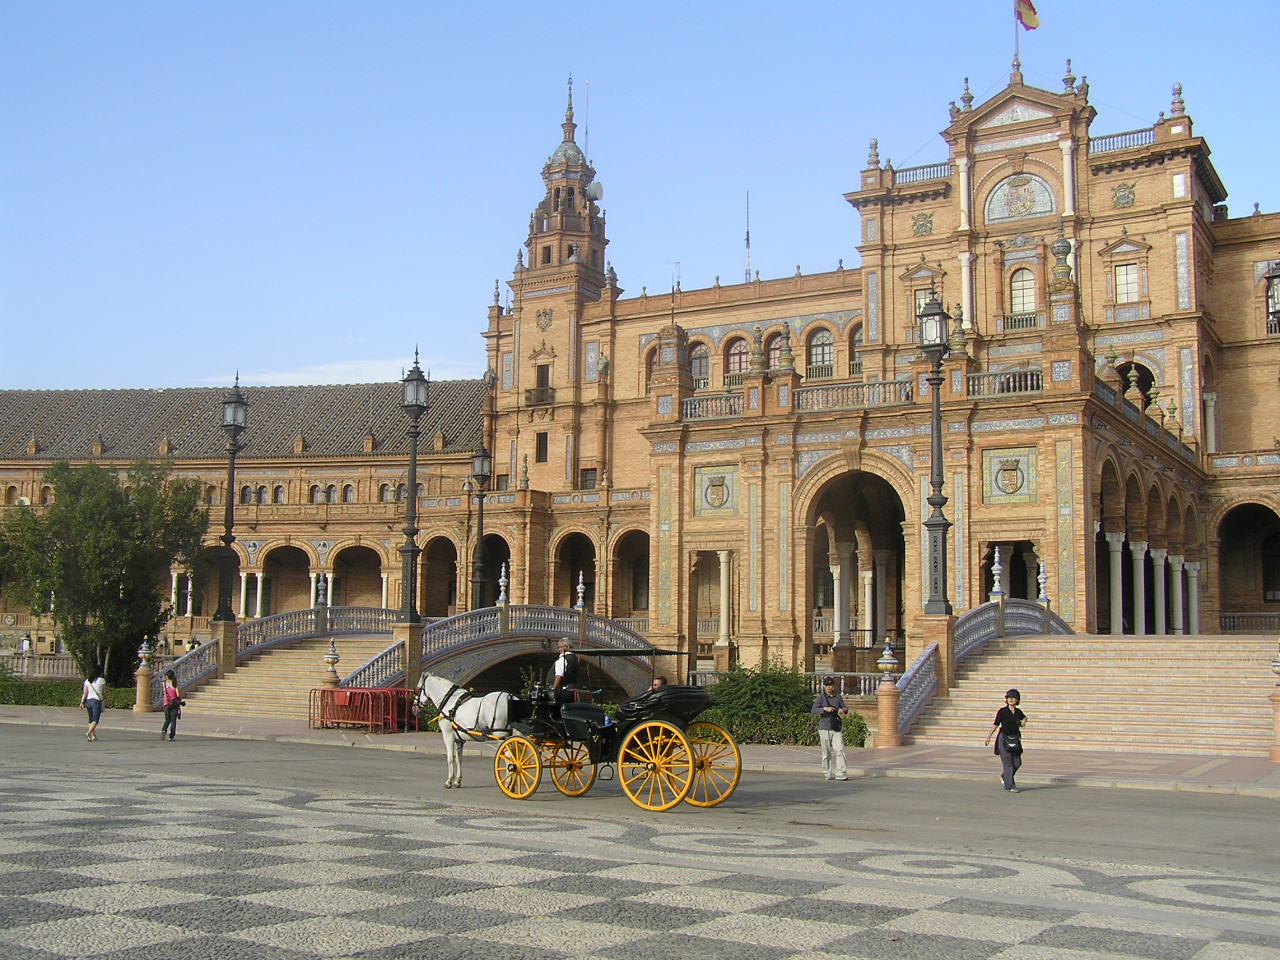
(916, 687)
(854, 396)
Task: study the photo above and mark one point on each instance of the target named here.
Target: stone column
(173, 591)
(1193, 596)
(384, 591)
(1068, 177)
(262, 588)
(191, 595)
(724, 555)
(882, 582)
(841, 577)
(1210, 423)
(1115, 544)
(1138, 553)
(1157, 589)
(311, 602)
(865, 621)
(962, 166)
(244, 593)
(1175, 593)
(966, 283)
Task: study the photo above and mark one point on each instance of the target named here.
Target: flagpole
(1017, 51)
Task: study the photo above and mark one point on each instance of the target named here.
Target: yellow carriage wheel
(655, 765)
(517, 768)
(572, 771)
(717, 764)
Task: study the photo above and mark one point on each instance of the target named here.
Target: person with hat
(1008, 729)
(830, 710)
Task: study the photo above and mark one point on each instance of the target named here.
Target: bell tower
(547, 373)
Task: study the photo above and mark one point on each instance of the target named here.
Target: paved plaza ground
(259, 847)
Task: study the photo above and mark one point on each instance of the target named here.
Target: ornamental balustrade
(1250, 622)
(1003, 382)
(929, 171)
(1023, 321)
(717, 406)
(1122, 141)
(190, 669)
(1015, 618)
(854, 396)
(916, 687)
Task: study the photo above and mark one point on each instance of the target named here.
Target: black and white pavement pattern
(134, 866)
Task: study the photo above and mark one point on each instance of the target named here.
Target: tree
(101, 553)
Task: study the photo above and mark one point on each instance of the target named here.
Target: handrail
(189, 669)
(916, 687)
(929, 171)
(1027, 380)
(715, 406)
(1022, 618)
(854, 396)
(1122, 141)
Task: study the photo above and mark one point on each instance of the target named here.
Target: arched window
(246, 495)
(331, 493)
(821, 354)
(46, 496)
(421, 491)
(773, 351)
(1022, 291)
(263, 495)
(384, 493)
(700, 365)
(855, 344)
(737, 360)
(650, 362)
(348, 494)
(277, 495)
(10, 496)
(400, 488)
(317, 493)
(210, 496)
(1273, 307)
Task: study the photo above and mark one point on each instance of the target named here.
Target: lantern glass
(482, 467)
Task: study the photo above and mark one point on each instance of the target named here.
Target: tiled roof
(332, 418)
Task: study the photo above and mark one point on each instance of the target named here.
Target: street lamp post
(234, 410)
(415, 402)
(933, 341)
(481, 471)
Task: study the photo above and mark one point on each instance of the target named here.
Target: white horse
(463, 717)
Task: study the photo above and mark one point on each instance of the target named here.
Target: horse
(463, 717)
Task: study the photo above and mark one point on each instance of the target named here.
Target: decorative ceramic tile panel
(959, 508)
(666, 405)
(1009, 475)
(1189, 402)
(1064, 466)
(664, 546)
(1061, 371)
(715, 491)
(592, 362)
(784, 546)
(807, 458)
(884, 433)
(1182, 261)
(1025, 423)
(873, 307)
(754, 522)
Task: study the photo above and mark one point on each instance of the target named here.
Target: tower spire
(747, 272)
(569, 125)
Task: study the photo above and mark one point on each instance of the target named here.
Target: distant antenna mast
(747, 273)
(675, 275)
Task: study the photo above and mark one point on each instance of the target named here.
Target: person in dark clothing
(565, 672)
(830, 709)
(1007, 729)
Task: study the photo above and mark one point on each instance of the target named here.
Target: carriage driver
(566, 668)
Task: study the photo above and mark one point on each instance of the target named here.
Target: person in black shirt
(1007, 729)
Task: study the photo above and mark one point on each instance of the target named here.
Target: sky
(306, 190)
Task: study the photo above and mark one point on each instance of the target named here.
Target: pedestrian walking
(830, 710)
(1007, 729)
(92, 695)
(172, 705)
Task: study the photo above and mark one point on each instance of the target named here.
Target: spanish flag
(1025, 11)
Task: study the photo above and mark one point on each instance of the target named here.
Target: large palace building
(741, 471)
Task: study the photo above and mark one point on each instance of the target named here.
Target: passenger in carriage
(658, 683)
(566, 671)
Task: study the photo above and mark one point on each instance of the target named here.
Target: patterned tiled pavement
(99, 864)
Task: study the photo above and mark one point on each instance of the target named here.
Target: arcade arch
(356, 579)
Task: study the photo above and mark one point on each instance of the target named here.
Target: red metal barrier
(378, 709)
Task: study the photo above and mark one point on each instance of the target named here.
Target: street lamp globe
(934, 321)
(235, 410)
(482, 467)
(416, 391)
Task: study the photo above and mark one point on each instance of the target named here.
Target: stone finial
(33, 445)
(1178, 107)
(1082, 91)
(496, 296)
(997, 572)
(1043, 579)
(873, 155)
(1132, 393)
(502, 585)
(611, 275)
(524, 472)
(797, 269)
(966, 98)
(519, 260)
(758, 362)
(954, 111)
(1160, 118)
(786, 359)
(840, 264)
(1015, 72)
(1069, 79)
(330, 677)
(582, 593)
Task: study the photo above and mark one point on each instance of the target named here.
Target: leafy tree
(102, 552)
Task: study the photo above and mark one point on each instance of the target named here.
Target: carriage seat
(581, 719)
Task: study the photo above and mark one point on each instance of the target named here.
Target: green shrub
(59, 693)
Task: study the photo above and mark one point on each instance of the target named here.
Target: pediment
(1125, 246)
(1015, 111)
(921, 273)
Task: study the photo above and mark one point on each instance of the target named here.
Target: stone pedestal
(942, 631)
(887, 715)
(330, 676)
(844, 658)
(724, 657)
(1275, 712)
(142, 687)
(408, 637)
(226, 635)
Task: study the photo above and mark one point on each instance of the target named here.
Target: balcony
(854, 396)
(715, 407)
(1023, 321)
(1122, 141)
(820, 371)
(855, 367)
(539, 396)
(1005, 382)
(732, 380)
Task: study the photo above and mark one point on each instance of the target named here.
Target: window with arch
(317, 493)
(650, 361)
(400, 491)
(210, 496)
(348, 494)
(737, 360)
(820, 355)
(277, 495)
(385, 493)
(773, 351)
(264, 495)
(331, 493)
(1022, 291)
(10, 496)
(855, 345)
(1273, 307)
(700, 365)
(246, 495)
(46, 496)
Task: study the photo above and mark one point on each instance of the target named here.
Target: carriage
(661, 753)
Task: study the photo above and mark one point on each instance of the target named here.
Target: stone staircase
(278, 683)
(1156, 694)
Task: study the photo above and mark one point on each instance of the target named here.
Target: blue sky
(303, 191)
